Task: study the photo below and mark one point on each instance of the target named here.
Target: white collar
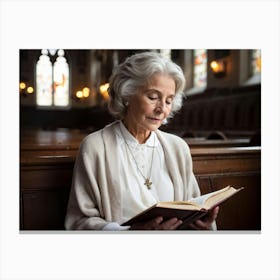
(131, 140)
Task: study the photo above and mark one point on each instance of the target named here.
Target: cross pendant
(148, 183)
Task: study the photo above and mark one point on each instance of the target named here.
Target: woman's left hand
(206, 222)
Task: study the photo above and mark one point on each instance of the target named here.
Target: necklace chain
(147, 182)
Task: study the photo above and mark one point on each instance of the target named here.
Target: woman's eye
(152, 98)
(169, 102)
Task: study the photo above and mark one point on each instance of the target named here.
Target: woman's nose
(160, 107)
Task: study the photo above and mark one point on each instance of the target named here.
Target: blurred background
(67, 89)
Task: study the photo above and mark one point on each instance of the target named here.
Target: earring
(126, 103)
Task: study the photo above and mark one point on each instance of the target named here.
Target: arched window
(200, 68)
(255, 62)
(250, 67)
(44, 80)
(52, 80)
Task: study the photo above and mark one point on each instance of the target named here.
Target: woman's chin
(154, 125)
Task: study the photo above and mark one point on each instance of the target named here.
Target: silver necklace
(148, 181)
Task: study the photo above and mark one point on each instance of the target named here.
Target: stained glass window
(44, 80)
(255, 63)
(61, 80)
(52, 80)
(200, 68)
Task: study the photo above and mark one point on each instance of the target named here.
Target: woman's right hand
(158, 224)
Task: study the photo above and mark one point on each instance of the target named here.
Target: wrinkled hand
(206, 222)
(158, 224)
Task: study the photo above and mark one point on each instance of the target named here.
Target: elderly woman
(130, 164)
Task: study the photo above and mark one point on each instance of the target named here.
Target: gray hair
(135, 72)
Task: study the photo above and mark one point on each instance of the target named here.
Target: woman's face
(150, 106)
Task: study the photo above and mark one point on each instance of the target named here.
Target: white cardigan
(95, 197)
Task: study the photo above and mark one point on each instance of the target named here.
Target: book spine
(191, 219)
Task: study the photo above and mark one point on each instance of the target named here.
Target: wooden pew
(46, 165)
(216, 168)
(217, 143)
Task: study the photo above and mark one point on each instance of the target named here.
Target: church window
(255, 62)
(52, 80)
(200, 68)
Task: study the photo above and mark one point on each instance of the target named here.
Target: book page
(206, 201)
(183, 205)
(201, 200)
(220, 197)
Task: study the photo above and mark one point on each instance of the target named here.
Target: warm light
(104, 87)
(22, 85)
(86, 92)
(30, 90)
(104, 91)
(214, 65)
(218, 67)
(259, 64)
(79, 94)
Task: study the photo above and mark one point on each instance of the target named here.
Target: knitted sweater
(95, 197)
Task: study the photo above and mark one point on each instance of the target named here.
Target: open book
(187, 211)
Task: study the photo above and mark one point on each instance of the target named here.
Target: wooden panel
(37, 139)
(45, 177)
(44, 210)
(221, 160)
(47, 157)
(217, 168)
(204, 183)
(242, 212)
(201, 142)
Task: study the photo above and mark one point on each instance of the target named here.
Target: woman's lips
(154, 119)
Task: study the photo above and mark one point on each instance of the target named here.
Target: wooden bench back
(46, 172)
